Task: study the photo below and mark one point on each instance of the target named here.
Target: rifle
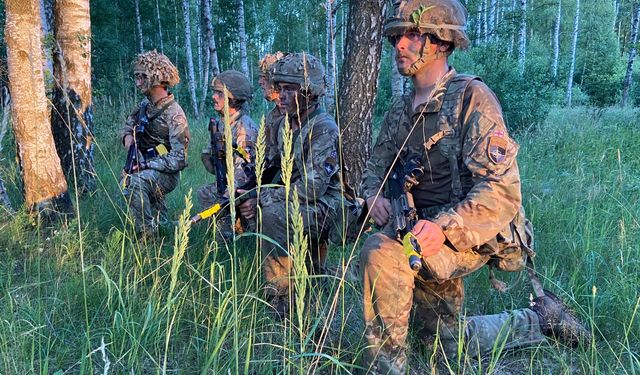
(250, 171)
(402, 179)
(133, 154)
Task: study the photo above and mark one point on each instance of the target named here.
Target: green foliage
(193, 304)
(600, 67)
(525, 99)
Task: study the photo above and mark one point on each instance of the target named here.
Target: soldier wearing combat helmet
(468, 204)
(273, 117)
(158, 129)
(244, 133)
(299, 78)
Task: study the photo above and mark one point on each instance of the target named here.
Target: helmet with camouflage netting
(236, 83)
(302, 69)
(446, 19)
(157, 68)
(266, 63)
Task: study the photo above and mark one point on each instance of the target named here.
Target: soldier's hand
(127, 141)
(248, 207)
(430, 237)
(379, 209)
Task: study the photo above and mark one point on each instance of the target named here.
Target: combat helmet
(266, 63)
(236, 83)
(302, 69)
(445, 19)
(157, 68)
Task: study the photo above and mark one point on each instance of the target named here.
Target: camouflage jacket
(459, 131)
(245, 133)
(316, 171)
(271, 126)
(167, 126)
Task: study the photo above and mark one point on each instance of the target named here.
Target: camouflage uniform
(244, 132)
(145, 190)
(315, 177)
(274, 117)
(470, 189)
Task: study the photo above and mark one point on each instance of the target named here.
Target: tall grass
(192, 303)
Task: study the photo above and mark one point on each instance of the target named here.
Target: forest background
(83, 297)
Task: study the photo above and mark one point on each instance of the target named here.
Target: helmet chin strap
(424, 58)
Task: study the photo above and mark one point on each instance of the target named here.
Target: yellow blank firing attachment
(206, 213)
(412, 251)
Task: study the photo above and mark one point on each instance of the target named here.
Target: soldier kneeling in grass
(315, 177)
(446, 147)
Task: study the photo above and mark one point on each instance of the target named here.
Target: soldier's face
(291, 101)
(268, 90)
(218, 101)
(408, 48)
(142, 82)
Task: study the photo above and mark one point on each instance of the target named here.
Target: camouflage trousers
(434, 296)
(145, 195)
(208, 196)
(276, 261)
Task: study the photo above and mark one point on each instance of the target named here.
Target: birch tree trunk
(556, 42)
(187, 46)
(493, 18)
(485, 25)
(574, 46)
(139, 26)
(159, 26)
(72, 115)
(522, 37)
(331, 55)
(626, 85)
(242, 36)
(205, 8)
(359, 82)
(199, 43)
(44, 183)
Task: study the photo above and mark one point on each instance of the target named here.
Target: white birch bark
(628, 79)
(72, 118)
(242, 38)
(574, 46)
(556, 41)
(493, 17)
(485, 24)
(158, 18)
(187, 46)
(479, 24)
(208, 34)
(44, 181)
(199, 44)
(330, 8)
(522, 37)
(139, 26)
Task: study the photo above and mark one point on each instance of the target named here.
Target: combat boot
(558, 321)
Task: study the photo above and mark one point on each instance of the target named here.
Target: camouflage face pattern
(236, 83)
(302, 69)
(157, 70)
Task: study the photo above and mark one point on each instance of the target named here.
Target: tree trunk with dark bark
(359, 83)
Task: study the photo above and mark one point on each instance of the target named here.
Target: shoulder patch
(497, 148)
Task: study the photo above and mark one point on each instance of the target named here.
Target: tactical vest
(514, 243)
